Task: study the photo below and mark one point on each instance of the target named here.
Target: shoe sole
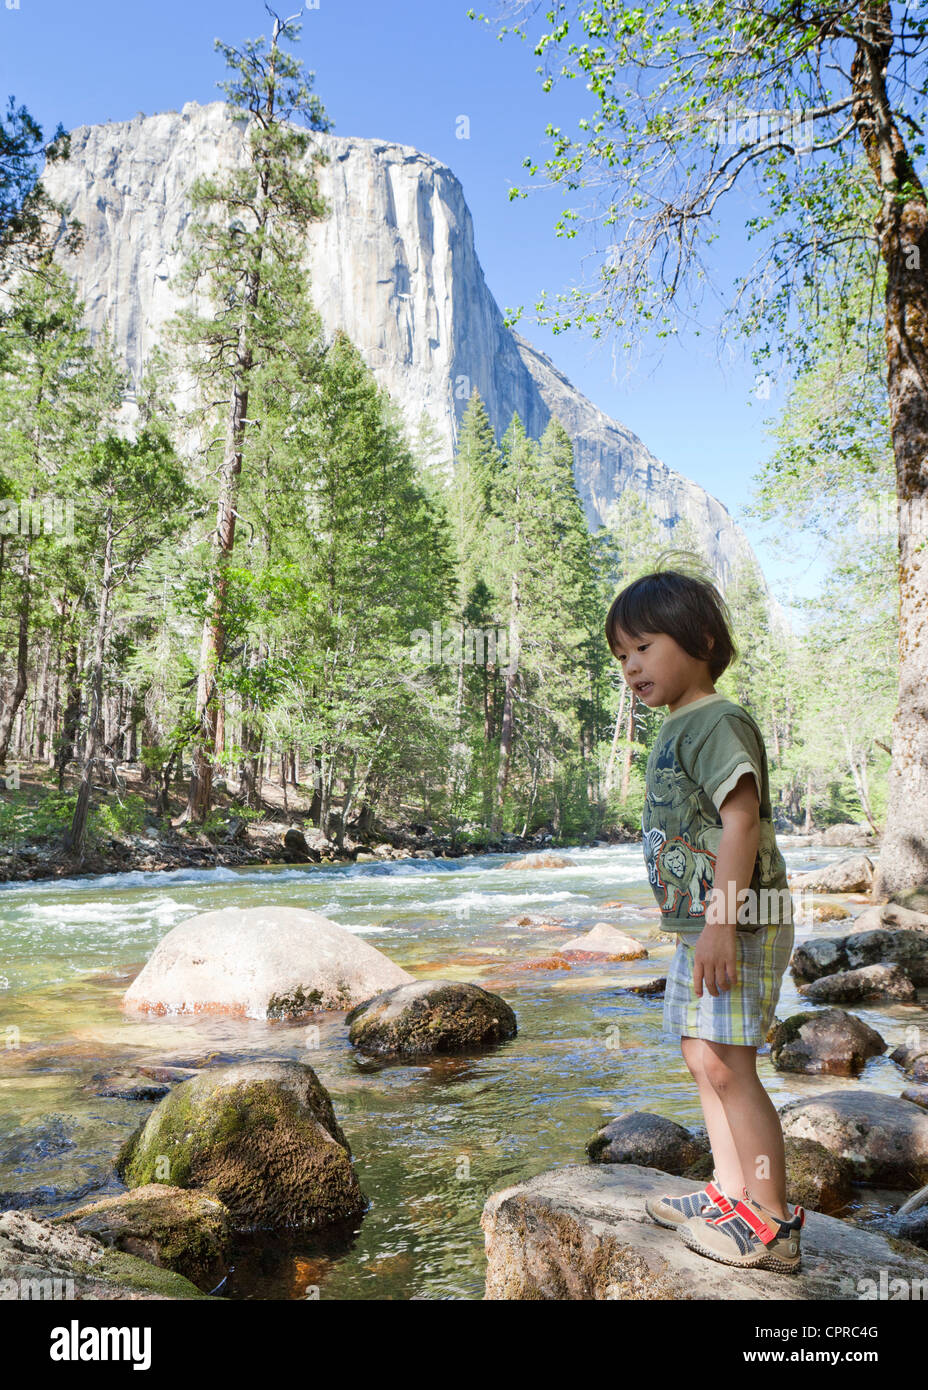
(762, 1260)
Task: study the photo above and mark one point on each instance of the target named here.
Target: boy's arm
(715, 956)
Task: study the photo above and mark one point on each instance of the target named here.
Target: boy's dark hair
(685, 605)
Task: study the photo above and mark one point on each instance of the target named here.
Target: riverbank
(34, 816)
(283, 835)
(260, 843)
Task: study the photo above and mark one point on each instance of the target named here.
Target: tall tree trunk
(72, 712)
(22, 654)
(619, 716)
(902, 231)
(512, 670)
(629, 750)
(74, 840)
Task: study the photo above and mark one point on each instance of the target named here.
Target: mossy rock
(170, 1227)
(260, 1136)
(75, 1265)
(815, 1177)
(430, 1016)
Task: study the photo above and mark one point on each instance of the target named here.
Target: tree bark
(902, 230)
(506, 726)
(74, 840)
(22, 652)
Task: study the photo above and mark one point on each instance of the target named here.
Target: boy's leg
(753, 1123)
(728, 1170)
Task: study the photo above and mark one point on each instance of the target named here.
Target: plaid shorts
(742, 1015)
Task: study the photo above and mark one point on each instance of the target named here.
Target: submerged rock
(884, 1139)
(578, 1232)
(603, 942)
(830, 1041)
(260, 1136)
(535, 919)
(545, 859)
(260, 962)
(57, 1262)
(653, 1140)
(657, 985)
(430, 1016)
(169, 1227)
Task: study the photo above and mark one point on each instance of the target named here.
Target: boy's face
(660, 672)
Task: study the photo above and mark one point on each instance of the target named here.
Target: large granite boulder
(430, 1016)
(651, 1140)
(870, 982)
(580, 1232)
(260, 962)
(826, 955)
(885, 1139)
(891, 915)
(41, 1260)
(851, 875)
(260, 1136)
(170, 1227)
(829, 1042)
(820, 955)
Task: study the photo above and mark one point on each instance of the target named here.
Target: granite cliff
(393, 264)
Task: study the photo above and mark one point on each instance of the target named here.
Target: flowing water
(430, 1140)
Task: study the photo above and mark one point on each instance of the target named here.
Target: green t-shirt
(701, 752)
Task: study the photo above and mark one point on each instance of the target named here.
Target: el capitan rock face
(394, 265)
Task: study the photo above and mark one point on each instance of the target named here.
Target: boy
(720, 882)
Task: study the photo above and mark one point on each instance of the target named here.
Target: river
(430, 1140)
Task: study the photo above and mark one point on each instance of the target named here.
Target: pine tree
(247, 260)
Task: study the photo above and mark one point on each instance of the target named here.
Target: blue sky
(406, 73)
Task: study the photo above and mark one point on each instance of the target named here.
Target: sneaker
(748, 1236)
(674, 1211)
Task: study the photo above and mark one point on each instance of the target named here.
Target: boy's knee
(719, 1075)
(693, 1050)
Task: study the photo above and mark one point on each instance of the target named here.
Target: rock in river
(578, 1232)
(260, 1136)
(603, 942)
(823, 955)
(545, 859)
(869, 982)
(830, 1041)
(652, 1140)
(851, 875)
(57, 1262)
(260, 962)
(430, 1016)
(884, 1139)
(167, 1226)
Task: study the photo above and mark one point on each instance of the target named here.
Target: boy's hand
(715, 960)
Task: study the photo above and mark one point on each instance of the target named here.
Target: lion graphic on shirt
(681, 871)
